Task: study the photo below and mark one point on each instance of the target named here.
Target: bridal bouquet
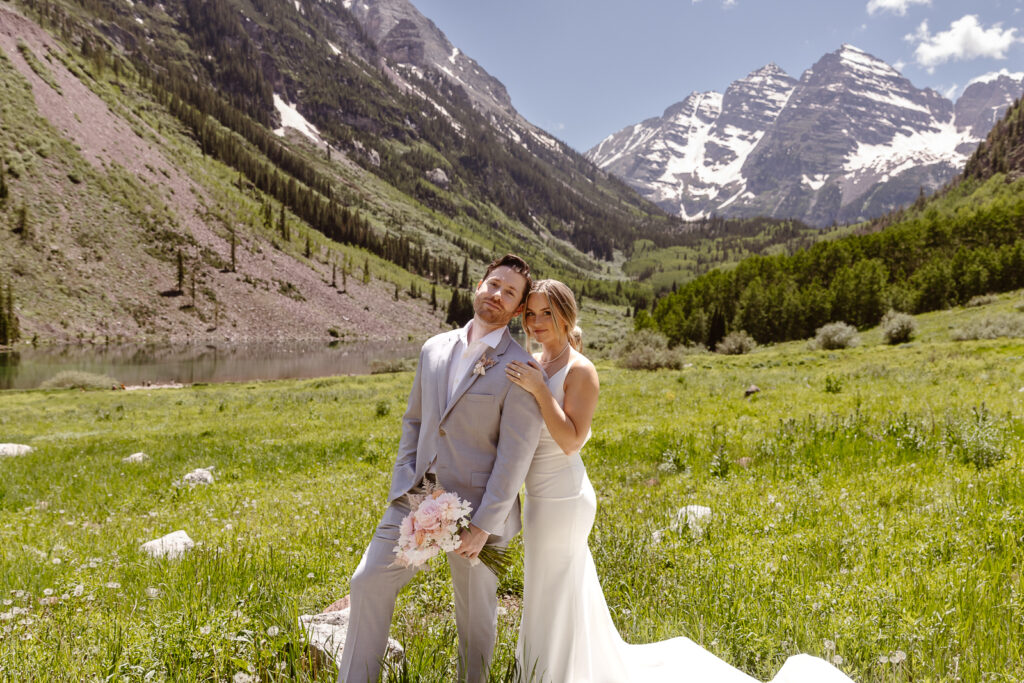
(433, 526)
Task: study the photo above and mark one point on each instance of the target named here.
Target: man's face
(498, 296)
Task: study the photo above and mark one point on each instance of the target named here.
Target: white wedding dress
(567, 634)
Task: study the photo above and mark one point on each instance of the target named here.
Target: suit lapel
(471, 376)
(442, 370)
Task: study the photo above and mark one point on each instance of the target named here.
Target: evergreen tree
(234, 241)
(334, 275)
(309, 250)
(181, 272)
(366, 271)
(433, 298)
(3, 184)
(464, 282)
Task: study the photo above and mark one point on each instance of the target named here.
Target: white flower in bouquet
(434, 526)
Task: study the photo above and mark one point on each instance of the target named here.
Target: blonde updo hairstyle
(563, 306)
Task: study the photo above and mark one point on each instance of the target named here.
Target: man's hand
(473, 540)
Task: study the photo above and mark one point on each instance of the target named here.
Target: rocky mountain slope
(850, 140)
(218, 168)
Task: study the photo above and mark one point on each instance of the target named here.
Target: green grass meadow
(868, 507)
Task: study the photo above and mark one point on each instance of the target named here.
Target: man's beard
(497, 317)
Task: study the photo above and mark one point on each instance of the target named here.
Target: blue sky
(583, 69)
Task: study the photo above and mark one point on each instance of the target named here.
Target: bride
(566, 633)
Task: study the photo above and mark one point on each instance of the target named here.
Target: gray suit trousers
(374, 590)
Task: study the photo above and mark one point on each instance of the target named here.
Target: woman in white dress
(566, 634)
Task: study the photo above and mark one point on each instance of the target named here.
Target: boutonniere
(481, 365)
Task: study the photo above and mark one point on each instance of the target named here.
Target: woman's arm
(569, 423)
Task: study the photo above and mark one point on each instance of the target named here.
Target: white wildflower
(205, 630)
(113, 585)
(78, 590)
(273, 631)
(152, 593)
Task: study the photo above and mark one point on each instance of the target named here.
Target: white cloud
(951, 91)
(966, 39)
(895, 6)
(899, 65)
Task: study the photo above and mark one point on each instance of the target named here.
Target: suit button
(440, 430)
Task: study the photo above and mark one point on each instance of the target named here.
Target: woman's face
(539, 320)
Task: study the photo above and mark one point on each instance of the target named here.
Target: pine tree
(433, 298)
(366, 271)
(234, 241)
(309, 250)
(334, 274)
(464, 283)
(181, 272)
(396, 291)
(3, 184)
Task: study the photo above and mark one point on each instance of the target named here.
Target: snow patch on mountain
(291, 118)
(996, 75)
(907, 150)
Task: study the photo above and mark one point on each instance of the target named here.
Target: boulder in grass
(135, 458)
(171, 546)
(203, 475)
(12, 449)
(693, 517)
(325, 634)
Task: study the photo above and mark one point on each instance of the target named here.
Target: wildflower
(78, 590)
(273, 631)
(152, 593)
(56, 560)
(897, 657)
(205, 630)
(48, 592)
(112, 585)
(310, 575)
(242, 677)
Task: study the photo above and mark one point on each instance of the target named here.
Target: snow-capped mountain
(850, 140)
(413, 43)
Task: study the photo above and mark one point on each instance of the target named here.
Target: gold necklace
(549, 362)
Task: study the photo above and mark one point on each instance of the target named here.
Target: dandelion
(8, 602)
(113, 585)
(48, 592)
(205, 630)
(310, 575)
(273, 631)
(242, 677)
(152, 593)
(56, 560)
(78, 590)
(837, 660)
(897, 657)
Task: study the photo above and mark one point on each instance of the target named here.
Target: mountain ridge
(851, 139)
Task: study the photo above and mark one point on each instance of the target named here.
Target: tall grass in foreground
(867, 507)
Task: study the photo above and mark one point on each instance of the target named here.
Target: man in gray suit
(473, 432)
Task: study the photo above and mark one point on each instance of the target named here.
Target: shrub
(833, 384)
(647, 349)
(383, 367)
(837, 335)
(974, 440)
(981, 300)
(383, 408)
(898, 328)
(76, 379)
(991, 327)
(736, 344)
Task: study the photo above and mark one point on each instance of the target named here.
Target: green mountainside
(146, 193)
(965, 241)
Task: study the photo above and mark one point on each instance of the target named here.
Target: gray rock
(171, 546)
(202, 475)
(693, 517)
(135, 458)
(12, 449)
(325, 634)
(438, 177)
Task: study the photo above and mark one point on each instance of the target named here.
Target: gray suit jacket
(484, 438)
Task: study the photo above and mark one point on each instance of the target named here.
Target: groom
(472, 432)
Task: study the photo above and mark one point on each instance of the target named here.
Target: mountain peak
(857, 60)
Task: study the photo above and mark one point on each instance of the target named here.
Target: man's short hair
(517, 264)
